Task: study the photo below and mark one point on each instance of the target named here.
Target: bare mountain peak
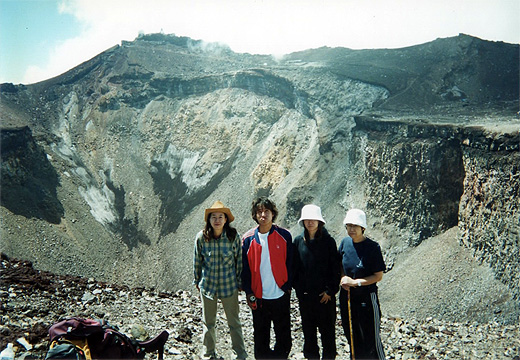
(124, 152)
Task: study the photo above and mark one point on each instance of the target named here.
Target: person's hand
(325, 298)
(251, 304)
(346, 282)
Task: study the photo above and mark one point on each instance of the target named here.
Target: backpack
(78, 338)
(64, 349)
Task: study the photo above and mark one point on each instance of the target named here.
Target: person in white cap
(362, 267)
(316, 282)
(217, 268)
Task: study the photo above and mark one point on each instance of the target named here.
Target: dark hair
(230, 231)
(263, 202)
(318, 234)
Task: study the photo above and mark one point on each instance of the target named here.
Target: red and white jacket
(280, 252)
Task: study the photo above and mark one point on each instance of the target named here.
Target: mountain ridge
(141, 138)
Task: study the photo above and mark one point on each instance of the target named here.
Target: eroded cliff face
(414, 174)
(427, 178)
(489, 216)
(129, 148)
(28, 177)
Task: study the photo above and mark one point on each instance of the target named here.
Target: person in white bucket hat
(362, 266)
(356, 217)
(316, 282)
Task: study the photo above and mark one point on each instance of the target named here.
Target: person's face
(311, 225)
(264, 216)
(217, 221)
(354, 231)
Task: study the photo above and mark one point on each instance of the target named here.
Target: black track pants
(366, 323)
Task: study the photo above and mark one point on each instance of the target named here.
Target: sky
(40, 39)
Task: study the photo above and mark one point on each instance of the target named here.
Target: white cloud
(279, 26)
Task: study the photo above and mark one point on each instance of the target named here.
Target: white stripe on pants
(377, 327)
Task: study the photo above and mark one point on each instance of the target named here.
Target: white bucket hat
(311, 212)
(356, 217)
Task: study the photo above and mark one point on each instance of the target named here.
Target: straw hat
(356, 217)
(311, 212)
(219, 207)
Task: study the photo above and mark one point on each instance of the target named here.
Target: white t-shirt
(269, 288)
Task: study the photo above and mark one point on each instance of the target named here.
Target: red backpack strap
(155, 344)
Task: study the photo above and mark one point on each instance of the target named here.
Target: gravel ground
(32, 301)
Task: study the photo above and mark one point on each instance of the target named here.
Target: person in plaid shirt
(217, 268)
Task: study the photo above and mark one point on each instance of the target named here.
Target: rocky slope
(33, 300)
(107, 168)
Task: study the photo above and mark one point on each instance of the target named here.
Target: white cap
(311, 212)
(356, 217)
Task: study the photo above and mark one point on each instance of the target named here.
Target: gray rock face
(489, 216)
(29, 176)
(115, 161)
(427, 178)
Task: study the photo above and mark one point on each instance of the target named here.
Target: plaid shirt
(217, 265)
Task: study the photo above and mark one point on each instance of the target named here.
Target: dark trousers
(366, 324)
(277, 312)
(322, 317)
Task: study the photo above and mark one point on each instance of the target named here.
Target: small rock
(138, 332)
(87, 297)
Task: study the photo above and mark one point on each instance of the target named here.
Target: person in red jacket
(267, 253)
